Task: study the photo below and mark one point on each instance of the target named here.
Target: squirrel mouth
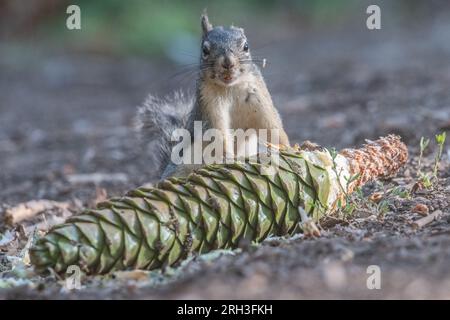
(227, 78)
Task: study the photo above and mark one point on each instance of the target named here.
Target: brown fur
(245, 105)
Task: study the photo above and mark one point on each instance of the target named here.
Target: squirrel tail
(155, 121)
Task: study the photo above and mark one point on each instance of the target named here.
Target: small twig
(426, 220)
(97, 178)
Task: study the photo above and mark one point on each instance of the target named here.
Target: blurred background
(68, 97)
(161, 28)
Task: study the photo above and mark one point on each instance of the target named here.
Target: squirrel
(230, 94)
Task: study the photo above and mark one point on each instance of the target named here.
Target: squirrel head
(225, 54)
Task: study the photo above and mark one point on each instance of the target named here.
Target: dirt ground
(64, 115)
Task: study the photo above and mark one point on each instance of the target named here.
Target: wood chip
(30, 209)
(426, 220)
(45, 225)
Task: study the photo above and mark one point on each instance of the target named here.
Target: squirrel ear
(206, 25)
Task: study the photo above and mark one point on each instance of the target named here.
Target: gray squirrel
(230, 94)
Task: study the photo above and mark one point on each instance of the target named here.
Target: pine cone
(215, 207)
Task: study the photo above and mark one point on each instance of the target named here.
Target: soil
(65, 114)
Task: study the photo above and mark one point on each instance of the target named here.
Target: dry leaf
(376, 197)
(30, 209)
(421, 209)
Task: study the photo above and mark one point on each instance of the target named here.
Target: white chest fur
(235, 106)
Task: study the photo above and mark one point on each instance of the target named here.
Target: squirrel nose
(228, 63)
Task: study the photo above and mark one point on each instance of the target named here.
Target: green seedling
(440, 140)
(423, 145)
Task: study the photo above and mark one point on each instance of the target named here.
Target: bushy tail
(157, 118)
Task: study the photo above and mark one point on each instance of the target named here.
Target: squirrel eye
(245, 47)
(205, 50)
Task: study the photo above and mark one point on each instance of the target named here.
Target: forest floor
(66, 134)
